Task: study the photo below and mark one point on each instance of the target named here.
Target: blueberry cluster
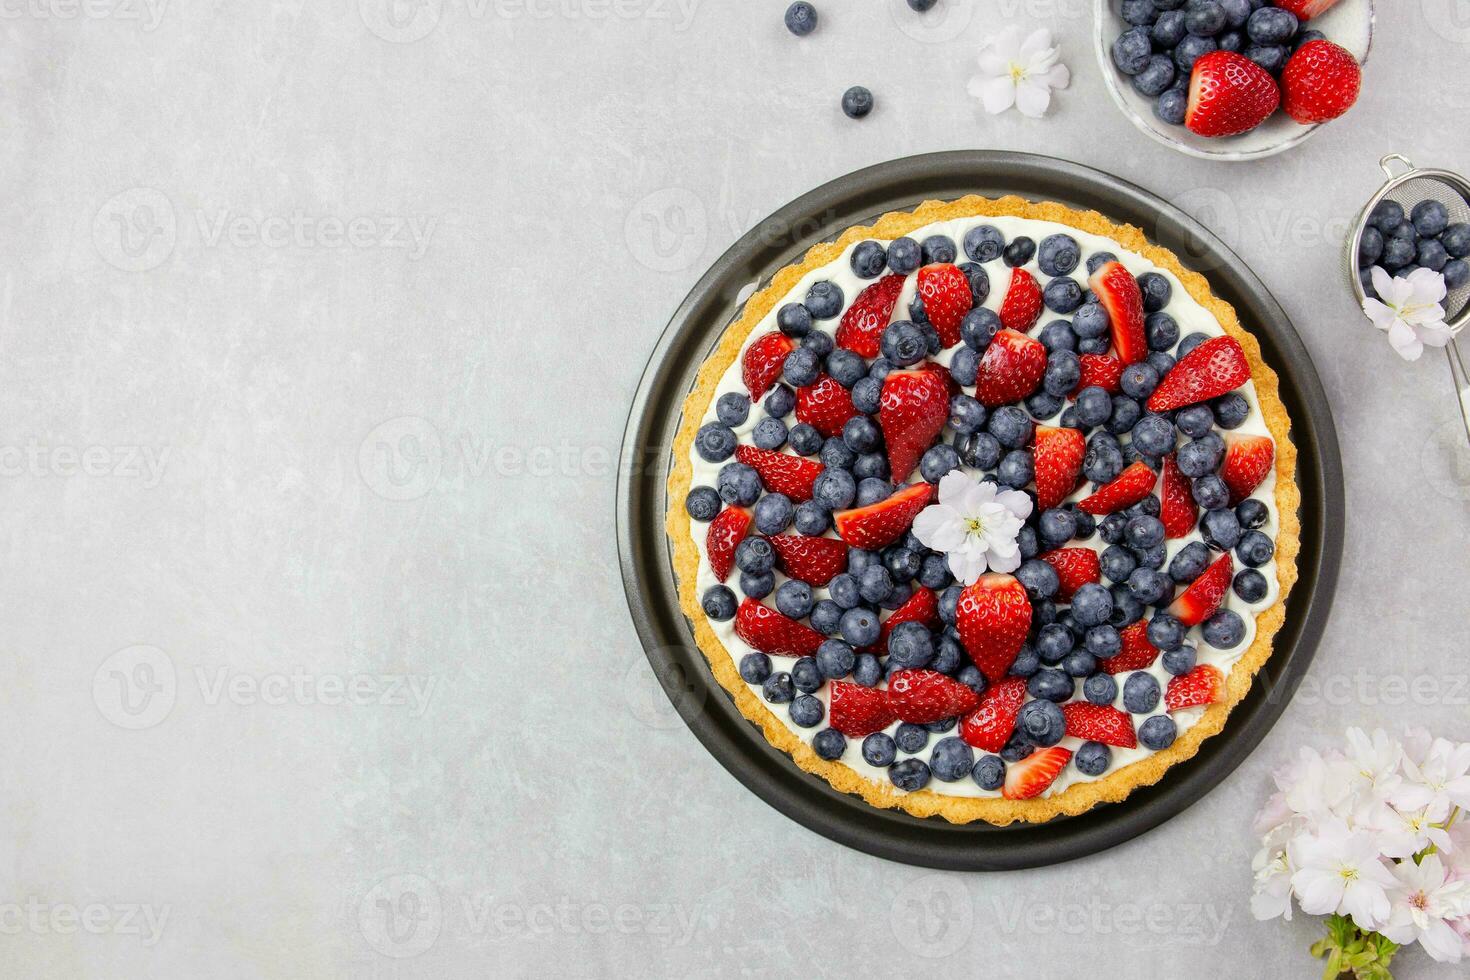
(1166, 37)
(1423, 238)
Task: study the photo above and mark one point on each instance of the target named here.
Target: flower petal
(998, 95)
(940, 527)
(953, 487)
(1032, 98)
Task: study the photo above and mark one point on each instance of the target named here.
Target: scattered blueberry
(857, 102)
(801, 18)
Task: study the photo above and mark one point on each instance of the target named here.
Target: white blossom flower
(1410, 309)
(1271, 898)
(1338, 870)
(1423, 903)
(1439, 782)
(975, 523)
(1404, 833)
(1019, 72)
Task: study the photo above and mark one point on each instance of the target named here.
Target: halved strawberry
(1011, 368)
(1118, 292)
(1137, 652)
(1306, 9)
(1099, 723)
(922, 696)
(1320, 82)
(1210, 370)
(1058, 456)
(863, 324)
(725, 533)
(763, 361)
(912, 411)
(824, 405)
(921, 607)
(1177, 508)
(812, 560)
(990, 725)
(1032, 775)
(1204, 595)
(1130, 486)
(857, 711)
(1229, 94)
(1102, 371)
(1247, 461)
(1075, 567)
(946, 294)
(992, 617)
(1021, 307)
(782, 472)
(770, 632)
(1202, 685)
(879, 525)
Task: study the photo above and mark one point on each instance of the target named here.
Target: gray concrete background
(319, 323)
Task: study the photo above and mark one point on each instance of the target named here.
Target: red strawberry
(921, 607)
(824, 405)
(1131, 486)
(863, 324)
(1075, 567)
(1032, 775)
(725, 533)
(857, 711)
(1118, 292)
(1011, 368)
(1137, 652)
(912, 411)
(1320, 82)
(1202, 685)
(922, 696)
(1099, 723)
(1100, 370)
(763, 361)
(1305, 9)
(1021, 307)
(811, 560)
(989, 726)
(992, 617)
(770, 632)
(1247, 461)
(879, 525)
(947, 298)
(1210, 370)
(782, 472)
(1058, 455)
(1229, 94)
(1204, 595)
(1177, 508)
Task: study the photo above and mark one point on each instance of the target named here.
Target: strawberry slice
(1177, 508)
(763, 361)
(1058, 457)
(1229, 94)
(1131, 486)
(879, 525)
(1010, 370)
(863, 324)
(1204, 595)
(1320, 82)
(1099, 723)
(1306, 9)
(1075, 567)
(782, 472)
(725, 533)
(1021, 307)
(992, 617)
(1118, 292)
(912, 411)
(770, 632)
(1137, 652)
(1210, 370)
(947, 298)
(811, 560)
(824, 405)
(990, 725)
(922, 696)
(1202, 685)
(921, 607)
(1100, 370)
(1032, 775)
(1247, 461)
(857, 711)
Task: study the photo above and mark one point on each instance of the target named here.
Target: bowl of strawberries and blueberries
(1235, 78)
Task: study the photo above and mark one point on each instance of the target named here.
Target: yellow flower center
(1018, 72)
(975, 525)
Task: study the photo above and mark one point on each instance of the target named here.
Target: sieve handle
(1386, 165)
(1461, 379)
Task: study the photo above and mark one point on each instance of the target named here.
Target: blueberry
(1204, 18)
(1091, 321)
(952, 759)
(1430, 218)
(861, 434)
(910, 775)
(1251, 513)
(904, 256)
(903, 343)
(1237, 12)
(980, 451)
(868, 259)
(1195, 421)
(1210, 492)
(1103, 460)
(715, 442)
(989, 772)
(1050, 684)
(844, 590)
(824, 299)
(1456, 239)
(1058, 254)
(1058, 336)
(1056, 526)
(1086, 523)
(1165, 632)
(1124, 415)
(964, 366)
(826, 617)
(1139, 381)
(1171, 106)
(937, 461)
(1150, 586)
(1132, 49)
(1062, 295)
(1117, 562)
(834, 489)
(1054, 641)
(910, 645)
(1140, 693)
(1042, 721)
(857, 102)
(1094, 406)
(835, 658)
(807, 711)
(755, 668)
(802, 367)
(1397, 253)
(1168, 30)
(1016, 470)
(934, 572)
(1093, 758)
(1026, 664)
(1153, 434)
(1224, 630)
(1156, 76)
(773, 513)
(1220, 529)
(879, 750)
(1254, 549)
(1157, 733)
(733, 408)
(1190, 562)
(1156, 291)
(1202, 456)
(1097, 260)
(1431, 254)
(1139, 11)
(1103, 642)
(1271, 25)
(1251, 585)
(1043, 404)
(1386, 215)
(984, 243)
(829, 743)
(806, 675)
(1456, 273)
(1231, 410)
(1179, 662)
(866, 395)
(1370, 246)
(979, 281)
(780, 401)
(778, 689)
(769, 433)
(912, 738)
(718, 603)
(738, 484)
(1016, 748)
(1405, 230)
(1091, 605)
(979, 327)
(1161, 362)
(966, 415)
(1019, 251)
(860, 626)
(872, 489)
(1100, 689)
(1011, 426)
(1039, 578)
(1191, 49)
(801, 18)
(937, 248)
(702, 503)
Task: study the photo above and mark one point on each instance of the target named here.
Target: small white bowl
(1349, 23)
